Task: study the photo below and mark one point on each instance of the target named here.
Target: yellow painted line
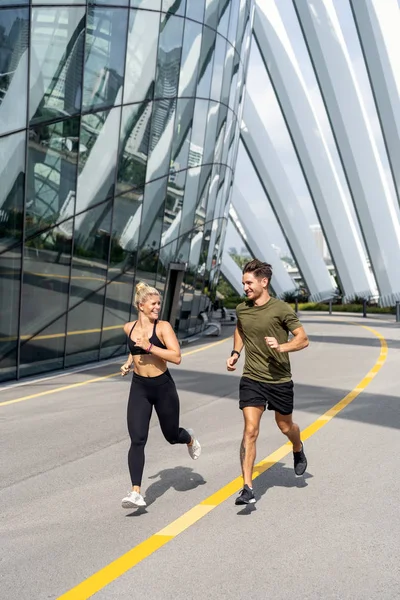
(95, 380)
(127, 561)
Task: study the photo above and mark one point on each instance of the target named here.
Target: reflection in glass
(149, 4)
(14, 33)
(223, 18)
(211, 13)
(206, 62)
(47, 261)
(12, 177)
(108, 2)
(190, 58)
(52, 166)
(105, 57)
(233, 21)
(121, 273)
(88, 282)
(177, 7)
(218, 70)
(227, 77)
(195, 161)
(97, 157)
(56, 63)
(141, 56)
(195, 9)
(134, 148)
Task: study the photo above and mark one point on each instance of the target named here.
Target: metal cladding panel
(314, 155)
(376, 210)
(285, 204)
(378, 25)
(260, 245)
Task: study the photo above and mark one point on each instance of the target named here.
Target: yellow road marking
(96, 379)
(127, 561)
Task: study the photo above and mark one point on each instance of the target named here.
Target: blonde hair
(143, 291)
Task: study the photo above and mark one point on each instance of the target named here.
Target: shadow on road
(181, 479)
(278, 476)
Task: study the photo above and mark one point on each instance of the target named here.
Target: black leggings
(145, 393)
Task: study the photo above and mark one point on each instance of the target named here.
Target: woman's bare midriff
(149, 366)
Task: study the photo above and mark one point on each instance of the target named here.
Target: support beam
(257, 240)
(313, 153)
(361, 161)
(285, 204)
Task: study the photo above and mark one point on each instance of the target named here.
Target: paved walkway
(333, 535)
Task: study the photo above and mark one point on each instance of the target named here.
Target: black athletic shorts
(274, 396)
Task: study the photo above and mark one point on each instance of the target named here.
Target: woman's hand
(125, 369)
(142, 342)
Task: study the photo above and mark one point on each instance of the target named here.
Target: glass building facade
(119, 129)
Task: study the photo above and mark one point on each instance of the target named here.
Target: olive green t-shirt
(273, 319)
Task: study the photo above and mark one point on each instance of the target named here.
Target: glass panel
(176, 7)
(149, 4)
(109, 2)
(211, 15)
(226, 86)
(141, 56)
(57, 2)
(52, 166)
(97, 157)
(13, 2)
(134, 147)
(190, 58)
(88, 282)
(182, 151)
(105, 57)
(168, 59)
(206, 62)
(243, 13)
(121, 273)
(56, 63)
(14, 28)
(212, 123)
(234, 79)
(218, 69)
(12, 177)
(195, 160)
(195, 9)
(223, 19)
(47, 262)
(233, 21)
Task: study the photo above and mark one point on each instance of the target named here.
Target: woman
(152, 343)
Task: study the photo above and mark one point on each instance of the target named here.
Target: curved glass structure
(119, 129)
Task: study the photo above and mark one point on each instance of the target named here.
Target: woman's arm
(173, 351)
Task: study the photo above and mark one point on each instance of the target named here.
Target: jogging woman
(152, 343)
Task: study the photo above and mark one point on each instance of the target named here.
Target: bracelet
(149, 348)
(235, 352)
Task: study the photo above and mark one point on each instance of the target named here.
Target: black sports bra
(154, 339)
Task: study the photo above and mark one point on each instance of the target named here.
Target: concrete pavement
(333, 535)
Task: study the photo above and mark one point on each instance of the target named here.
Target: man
(263, 326)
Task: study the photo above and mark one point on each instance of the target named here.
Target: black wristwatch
(235, 352)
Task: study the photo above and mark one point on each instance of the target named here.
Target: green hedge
(351, 308)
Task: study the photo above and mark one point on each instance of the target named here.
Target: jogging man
(263, 326)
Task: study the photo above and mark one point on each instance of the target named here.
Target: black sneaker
(246, 496)
(300, 462)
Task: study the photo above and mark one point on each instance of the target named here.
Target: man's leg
(252, 417)
(290, 429)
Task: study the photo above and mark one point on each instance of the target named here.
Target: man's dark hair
(259, 269)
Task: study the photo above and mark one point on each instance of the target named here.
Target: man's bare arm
(298, 342)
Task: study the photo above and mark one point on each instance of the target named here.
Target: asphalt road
(332, 535)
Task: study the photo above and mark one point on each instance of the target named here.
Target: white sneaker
(133, 500)
(195, 448)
